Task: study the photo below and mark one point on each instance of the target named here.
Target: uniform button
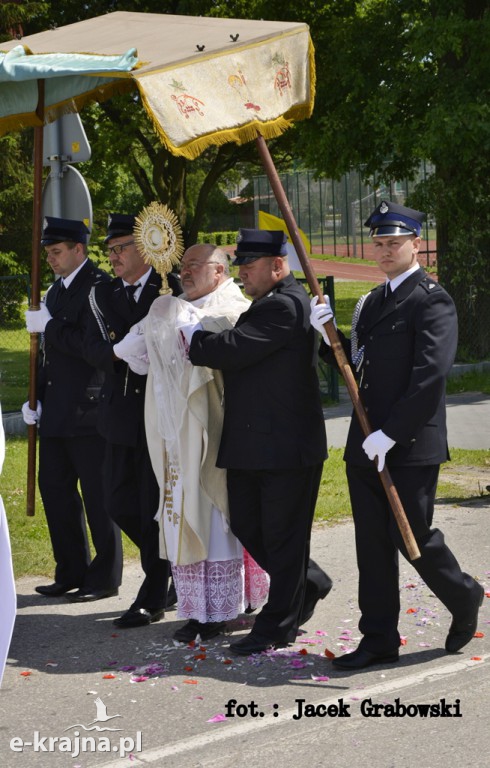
(366, 386)
(49, 383)
(366, 409)
(137, 391)
(370, 338)
(368, 362)
(413, 440)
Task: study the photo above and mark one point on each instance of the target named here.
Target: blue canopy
(71, 79)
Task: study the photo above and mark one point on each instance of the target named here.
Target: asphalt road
(68, 666)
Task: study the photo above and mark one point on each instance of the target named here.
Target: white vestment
(8, 599)
(183, 421)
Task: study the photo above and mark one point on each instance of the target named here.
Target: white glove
(378, 444)
(320, 314)
(140, 365)
(37, 319)
(132, 345)
(31, 417)
(188, 329)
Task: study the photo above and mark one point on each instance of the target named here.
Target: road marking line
(244, 728)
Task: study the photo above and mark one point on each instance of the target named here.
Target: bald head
(203, 268)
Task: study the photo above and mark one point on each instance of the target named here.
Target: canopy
(202, 80)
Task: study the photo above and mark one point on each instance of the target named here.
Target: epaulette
(429, 285)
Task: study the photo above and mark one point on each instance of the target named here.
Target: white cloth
(183, 419)
(8, 600)
(184, 414)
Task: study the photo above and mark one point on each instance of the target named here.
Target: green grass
(14, 370)
(29, 536)
(472, 381)
(31, 549)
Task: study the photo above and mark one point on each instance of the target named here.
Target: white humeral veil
(183, 420)
(8, 600)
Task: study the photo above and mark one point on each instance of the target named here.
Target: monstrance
(158, 235)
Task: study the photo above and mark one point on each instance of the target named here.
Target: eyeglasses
(118, 249)
(192, 266)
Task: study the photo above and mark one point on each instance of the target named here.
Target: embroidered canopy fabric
(202, 80)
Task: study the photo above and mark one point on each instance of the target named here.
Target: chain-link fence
(332, 213)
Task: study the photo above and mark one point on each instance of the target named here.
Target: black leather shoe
(310, 602)
(193, 628)
(171, 596)
(55, 590)
(251, 643)
(138, 617)
(360, 658)
(87, 596)
(462, 630)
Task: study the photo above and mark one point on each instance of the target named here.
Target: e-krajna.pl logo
(76, 744)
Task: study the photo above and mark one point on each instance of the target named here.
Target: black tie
(60, 292)
(388, 291)
(130, 291)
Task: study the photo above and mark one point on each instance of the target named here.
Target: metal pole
(342, 362)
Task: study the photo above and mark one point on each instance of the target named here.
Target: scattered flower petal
(479, 634)
(26, 674)
(109, 676)
(320, 678)
(329, 654)
(217, 719)
(190, 682)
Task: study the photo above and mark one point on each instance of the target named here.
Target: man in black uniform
(273, 443)
(130, 486)
(404, 340)
(70, 450)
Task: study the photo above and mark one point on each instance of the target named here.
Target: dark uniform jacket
(410, 341)
(68, 385)
(121, 405)
(273, 417)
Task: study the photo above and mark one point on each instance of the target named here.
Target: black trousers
(378, 541)
(64, 462)
(271, 513)
(132, 498)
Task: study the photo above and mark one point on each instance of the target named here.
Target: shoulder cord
(357, 355)
(98, 314)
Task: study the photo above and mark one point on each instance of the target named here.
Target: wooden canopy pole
(333, 337)
(35, 299)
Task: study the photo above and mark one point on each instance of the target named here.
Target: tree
(398, 83)
(127, 155)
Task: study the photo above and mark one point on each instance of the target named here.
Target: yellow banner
(268, 221)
